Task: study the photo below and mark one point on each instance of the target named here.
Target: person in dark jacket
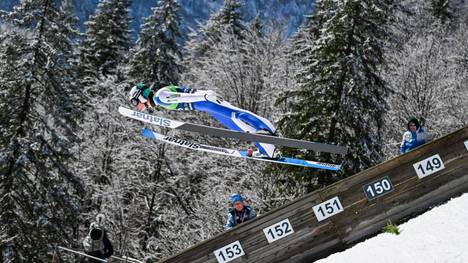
(239, 212)
(97, 244)
(414, 136)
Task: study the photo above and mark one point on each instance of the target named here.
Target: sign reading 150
(378, 188)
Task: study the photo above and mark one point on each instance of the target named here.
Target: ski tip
(122, 108)
(326, 166)
(336, 168)
(330, 167)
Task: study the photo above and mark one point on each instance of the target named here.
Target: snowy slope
(439, 235)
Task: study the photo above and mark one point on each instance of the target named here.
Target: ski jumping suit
(184, 98)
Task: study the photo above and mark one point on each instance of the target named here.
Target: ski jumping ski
(173, 124)
(235, 153)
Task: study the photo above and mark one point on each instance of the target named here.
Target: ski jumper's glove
(213, 97)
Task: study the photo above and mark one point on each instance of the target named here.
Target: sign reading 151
(328, 208)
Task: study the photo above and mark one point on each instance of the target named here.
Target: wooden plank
(253, 232)
(313, 239)
(361, 217)
(412, 200)
(303, 239)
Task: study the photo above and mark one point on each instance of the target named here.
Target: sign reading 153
(429, 166)
(229, 252)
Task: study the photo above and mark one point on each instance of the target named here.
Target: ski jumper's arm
(179, 98)
(174, 94)
(182, 95)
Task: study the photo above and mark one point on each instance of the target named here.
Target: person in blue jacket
(147, 96)
(413, 137)
(239, 212)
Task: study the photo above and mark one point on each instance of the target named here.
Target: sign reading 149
(429, 166)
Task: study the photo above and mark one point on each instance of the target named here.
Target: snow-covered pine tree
(39, 193)
(107, 40)
(341, 97)
(303, 40)
(264, 59)
(441, 9)
(157, 54)
(228, 18)
(224, 30)
(252, 48)
(427, 75)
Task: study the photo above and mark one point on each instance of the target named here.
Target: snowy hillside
(439, 235)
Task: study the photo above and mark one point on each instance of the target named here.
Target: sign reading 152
(278, 230)
(429, 166)
(229, 252)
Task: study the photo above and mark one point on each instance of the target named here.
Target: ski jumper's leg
(239, 120)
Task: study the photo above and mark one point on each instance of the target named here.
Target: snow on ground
(437, 236)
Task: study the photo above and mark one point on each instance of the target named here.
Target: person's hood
(96, 232)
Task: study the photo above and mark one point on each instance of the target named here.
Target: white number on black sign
(429, 166)
(328, 208)
(229, 252)
(378, 188)
(278, 230)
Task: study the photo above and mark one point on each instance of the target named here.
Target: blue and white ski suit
(235, 217)
(412, 140)
(184, 98)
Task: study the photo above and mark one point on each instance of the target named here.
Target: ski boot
(276, 152)
(266, 132)
(254, 152)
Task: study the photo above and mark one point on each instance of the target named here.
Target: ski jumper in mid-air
(173, 97)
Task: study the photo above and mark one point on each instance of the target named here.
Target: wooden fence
(336, 217)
